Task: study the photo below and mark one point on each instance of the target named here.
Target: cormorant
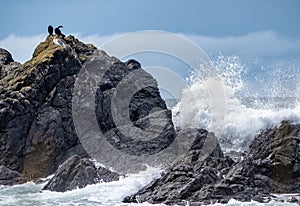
(50, 30)
(58, 32)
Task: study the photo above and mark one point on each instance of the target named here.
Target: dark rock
(9, 177)
(187, 176)
(35, 111)
(7, 64)
(271, 165)
(5, 57)
(37, 128)
(78, 172)
(276, 154)
(133, 118)
(106, 175)
(143, 99)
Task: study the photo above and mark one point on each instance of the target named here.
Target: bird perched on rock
(58, 42)
(50, 30)
(58, 32)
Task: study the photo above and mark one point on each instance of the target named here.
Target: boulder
(77, 172)
(8, 176)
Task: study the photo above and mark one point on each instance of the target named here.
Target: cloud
(262, 44)
(21, 47)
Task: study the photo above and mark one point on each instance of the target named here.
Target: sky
(215, 18)
(259, 32)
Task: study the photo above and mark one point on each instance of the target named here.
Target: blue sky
(202, 17)
(262, 33)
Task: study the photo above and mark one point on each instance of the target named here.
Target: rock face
(143, 104)
(37, 132)
(78, 172)
(132, 120)
(188, 175)
(9, 177)
(35, 115)
(271, 165)
(275, 154)
(7, 64)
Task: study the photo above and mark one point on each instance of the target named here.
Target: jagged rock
(276, 155)
(78, 172)
(271, 165)
(106, 175)
(188, 175)
(5, 56)
(8, 176)
(144, 104)
(37, 131)
(35, 111)
(7, 64)
(132, 117)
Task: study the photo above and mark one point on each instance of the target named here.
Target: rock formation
(78, 172)
(35, 115)
(271, 165)
(37, 131)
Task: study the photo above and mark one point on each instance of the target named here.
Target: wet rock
(78, 172)
(8, 176)
(37, 129)
(271, 165)
(35, 111)
(132, 117)
(106, 175)
(139, 96)
(188, 175)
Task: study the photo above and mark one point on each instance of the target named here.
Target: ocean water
(248, 110)
(111, 193)
(103, 194)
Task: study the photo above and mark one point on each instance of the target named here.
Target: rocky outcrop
(35, 115)
(188, 175)
(143, 104)
(7, 64)
(132, 121)
(8, 176)
(37, 131)
(78, 172)
(271, 165)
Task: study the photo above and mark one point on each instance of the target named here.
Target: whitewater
(252, 103)
(106, 194)
(248, 110)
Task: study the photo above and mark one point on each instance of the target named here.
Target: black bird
(58, 32)
(50, 30)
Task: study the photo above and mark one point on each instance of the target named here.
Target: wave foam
(247, 110)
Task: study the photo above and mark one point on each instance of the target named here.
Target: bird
(58, 42)
(50, 30)
(58, 32)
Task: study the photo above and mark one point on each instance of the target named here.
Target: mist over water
(256, 98)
